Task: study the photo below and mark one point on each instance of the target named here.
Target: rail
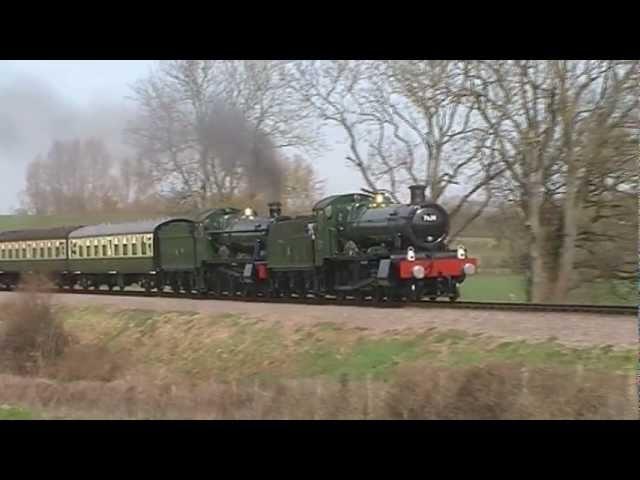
(314, 300)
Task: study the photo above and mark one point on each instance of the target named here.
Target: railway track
(502, 306)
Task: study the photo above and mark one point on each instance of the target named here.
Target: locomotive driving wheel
(455, 294)
(248, 290)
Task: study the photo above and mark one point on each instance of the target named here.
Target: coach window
(24, 252)
(41, 252)
(49, 252)
(116, 250)
(62, 249)
(2, 252)
(125, 249)
(134, 246)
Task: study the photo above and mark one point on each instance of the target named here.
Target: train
(352, 245)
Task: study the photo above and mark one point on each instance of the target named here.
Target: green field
(490, 287)
(8, 412)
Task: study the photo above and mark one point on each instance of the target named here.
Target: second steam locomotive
(360, 245)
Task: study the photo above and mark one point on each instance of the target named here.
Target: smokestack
(275, 209)
(418, 196)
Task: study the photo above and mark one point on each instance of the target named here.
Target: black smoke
(239, 144)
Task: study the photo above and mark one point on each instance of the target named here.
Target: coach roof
(142, 226)
(37, 234)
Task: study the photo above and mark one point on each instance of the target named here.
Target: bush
(31, 337)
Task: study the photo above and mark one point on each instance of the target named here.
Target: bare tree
(203, 124)
(36, 195)
(405, 122)
(302, 188)
(551, 122)
(76, 176)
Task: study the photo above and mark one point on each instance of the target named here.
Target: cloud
(33, 115)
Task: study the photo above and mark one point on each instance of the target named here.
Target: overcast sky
(42, 100)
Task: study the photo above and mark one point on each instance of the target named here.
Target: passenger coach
(150, 253)
(42, 251)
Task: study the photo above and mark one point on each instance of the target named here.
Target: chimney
(275, 209)
(418, 194)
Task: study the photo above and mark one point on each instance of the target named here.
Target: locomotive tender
(357, 244)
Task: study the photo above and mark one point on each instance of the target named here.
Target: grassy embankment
(143, 364)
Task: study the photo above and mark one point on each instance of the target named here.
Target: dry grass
(419, 392)
(31, 337)
(58, 376)
(34, 342)
(87, 362)
(508, 391)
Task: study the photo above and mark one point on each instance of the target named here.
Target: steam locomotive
(361, 245)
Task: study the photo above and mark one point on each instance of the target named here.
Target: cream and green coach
(41, 251)
(150, 253)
